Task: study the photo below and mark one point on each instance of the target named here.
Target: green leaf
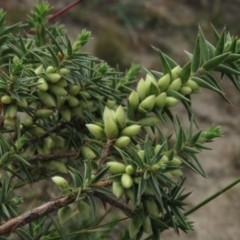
(175, 94)
(24, 234)
(226, 70)
(220, 44)
(214, 62)
(152, 181)
(203, 46)
(179, 141)
(100, 175)
(196, 60)
(195, 137)
(87, 170)
(92, 204)
(55, 42)
(232, 58)
(141, 187)
(170, 61)
(185, 73)
(58, 228)
(216, 35)
(20, 159)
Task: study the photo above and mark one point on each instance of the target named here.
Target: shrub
(73, 121)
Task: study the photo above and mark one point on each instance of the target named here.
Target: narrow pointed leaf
(203, 46)
(196, 60)
(220, 44)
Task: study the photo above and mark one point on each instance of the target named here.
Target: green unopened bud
(27, 122)
(116, 167)
(58, 141)
(142, 89)
(148, 103)
(117, 189)
(9, 122)
(111, 103)
(85, 94)
(6, 99)
(107, 114)
(64, 71)
(164, 159)
(55, 166)
(131, 131)
(12, 111)
(42, 84)
(176, 173)
(77, 111)
(171, 102)
(185, 90)
(157, 148)
(148, 81)
(134, 100)
(176, 72)
(122, 142)
(160, 100)
(60, 100)
(61, 182)
(57, 90)
(22, 103)
(110, 128)
(74, 89)
(149, 121)
(168, 175)
(155, 168)
(39, 70)
(164, 82)
(64, 214)
(50, 69)
(175, 162)
(53, 77)
(43, 113)
(152, 207)
(120, 116)
(126, 180)
(96, 131)
(141, 154)
(190, 83)
(129, 170)
(46, 98)
(62, 83)
(147, 226)
(134, 227)
(47, 145)
(175, 85)
(72, 101)
(36, 131)
(88, 153)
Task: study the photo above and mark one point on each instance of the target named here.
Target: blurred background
(123, 32)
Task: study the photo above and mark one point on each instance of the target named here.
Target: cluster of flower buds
(158, 94)
(114, 127)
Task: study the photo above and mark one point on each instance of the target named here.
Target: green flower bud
(88, 153)
(57, 90)
(157, 148)
(136, 180)
(129, 170)
(168, 175)
(62, 83)
(152, 207)
(190, 83)
(116, 167)
(27, 122)
(164, 159)
(171, 102)
(53, 77)
(175, 85)
(148, 81)
(117, 189)
(185, 90)
(120, 116)
(141, 154)
(6, 99)
(74, 89)
(12, 111)
(131, 131)
(148, 103)
(77, 111)
(42, 84)
(176, 72)
(84, 209)
(110, 104)
(134, 228)
(50, 69)
(36, 131)
(47, 145)
(176, 173)
(55, 166)
(142, 111)
(72, 101)
(126, 180)
(43, 113)
(9, 122)
(64, 214)
(149, 121)
(134, 100)
(155, 168)
(110, 128)
(160, 100)
(64, 71)
(175, 162)
(147, 226)
(58, 141)
(164, 82)
(107, 114)
(96, 131)
(61, 182)
(129, 193)
(142, 89)
(22, 103)
(85, 94)
(122, 142)
(46, 98)
(39, 70)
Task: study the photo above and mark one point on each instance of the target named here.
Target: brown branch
(56, 204)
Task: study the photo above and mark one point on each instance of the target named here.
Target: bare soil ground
(175, 30)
